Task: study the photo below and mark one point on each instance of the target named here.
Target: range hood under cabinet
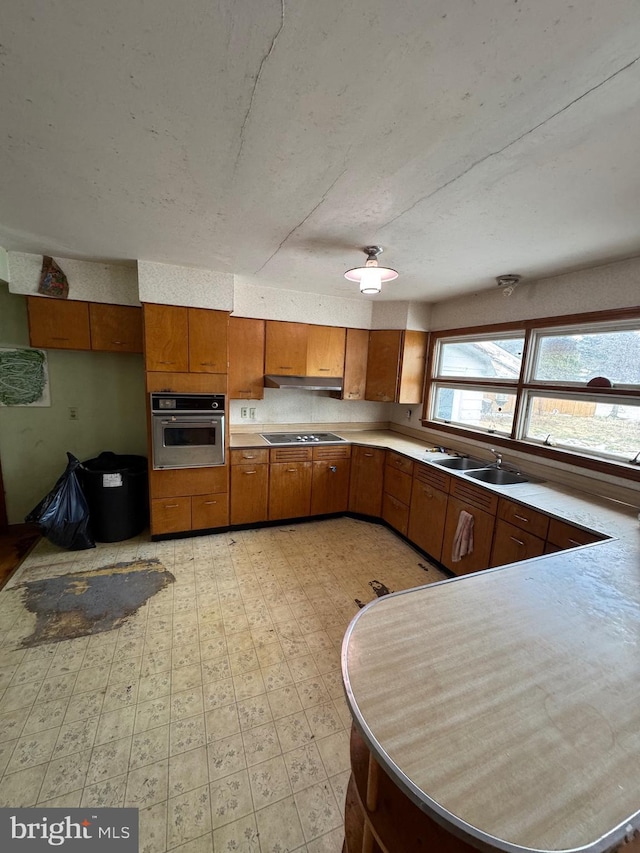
(309, 383)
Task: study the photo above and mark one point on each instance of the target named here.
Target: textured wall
(106, 388)
(88, 281)
(253, 300)
(594, 289)
(173, 285)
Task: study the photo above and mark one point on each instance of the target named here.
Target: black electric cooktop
(301, 438)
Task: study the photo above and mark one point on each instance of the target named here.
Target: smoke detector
(508, 283)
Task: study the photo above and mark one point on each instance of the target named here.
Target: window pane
(581, 357)
(498, 358)
(611, 427)
(489, 410)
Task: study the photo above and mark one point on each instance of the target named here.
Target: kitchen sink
(460, 463)
(497, 476)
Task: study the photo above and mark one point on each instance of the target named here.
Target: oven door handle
(190, 422)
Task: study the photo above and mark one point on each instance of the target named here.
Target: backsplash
(284, 406)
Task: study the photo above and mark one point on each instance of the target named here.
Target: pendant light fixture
(371, 276)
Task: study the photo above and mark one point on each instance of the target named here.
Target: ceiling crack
(256, 83)
(301, 223)
(513, 142)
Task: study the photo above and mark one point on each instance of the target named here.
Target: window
(572, 388)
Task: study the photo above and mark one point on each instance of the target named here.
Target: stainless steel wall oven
(187, 430)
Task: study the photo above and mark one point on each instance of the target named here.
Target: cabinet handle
(517, 541)
(243, 391)
(59, 339)
(248, 472)
(575, 542)
(118, 343)
(207, 363)
(333, 469)
(171, 506)
(207, 503)
(327, 369)
(427, 494)
(520, 517)
(369, 455)
(292, 470)
(246, 456)
(285, 367)
(166, 362)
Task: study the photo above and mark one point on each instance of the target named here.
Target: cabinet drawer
(398, 484)
(523, 517)
(474, 495)
(188, 481)
(250, 456)
(209, 511)
(511, 544)
(428, 475)
(402, 463)
(170, 515)
(565, 535)
(332, 452)
(291, 454)
(395, 513)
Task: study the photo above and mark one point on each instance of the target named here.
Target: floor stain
(379, 588)
(82, 603)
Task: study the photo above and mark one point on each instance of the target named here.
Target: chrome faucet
(498, 455)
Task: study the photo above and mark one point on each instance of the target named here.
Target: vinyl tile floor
(218, 708)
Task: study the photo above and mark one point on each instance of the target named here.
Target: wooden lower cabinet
(209, 511)
(249, 485)
(428, 509)
(380, 818)
(290, 489)
(170, 515)
(367, 477)
(511, 544)
(330, 486)
(483, 524)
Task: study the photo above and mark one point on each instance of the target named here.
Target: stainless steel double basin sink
(483, 471)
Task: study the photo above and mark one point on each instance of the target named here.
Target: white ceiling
(275, 139)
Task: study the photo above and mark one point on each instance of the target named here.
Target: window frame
(525, 386)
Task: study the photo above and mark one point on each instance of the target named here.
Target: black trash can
(115, 486)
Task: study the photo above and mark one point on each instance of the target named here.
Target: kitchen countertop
(506, 703)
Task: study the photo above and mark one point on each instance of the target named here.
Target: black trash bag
(63, 515)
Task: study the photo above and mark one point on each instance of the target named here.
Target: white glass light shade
(371, 276)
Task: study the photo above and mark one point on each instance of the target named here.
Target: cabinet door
(325, 351)
(249, 493)
(166, 338)
(209, 511)
(427, 516)
(383, 363)
(246, 359)
(355, 364)
(367, 475)
(208, 341)
(115, 328)
(170, 515)
(285, 352)
(330, 486)
(413, 363)
(511, 544)
(290, 489)
(58, 323)
(482, 538)
(395, 513)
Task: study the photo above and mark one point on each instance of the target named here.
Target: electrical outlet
(73, 413)
(243, 412)
(408, 414)
(252, 413)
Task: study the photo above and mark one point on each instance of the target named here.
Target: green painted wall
(108, 392)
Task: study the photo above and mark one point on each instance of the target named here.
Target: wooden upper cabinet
(285, 352)
(246, 359)
(355, 364)
(395, 366)
(58, 323)
(115, 328)
(412, 366)
(383, 364)
(208, 340)
(325, 351)
(166, 338)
